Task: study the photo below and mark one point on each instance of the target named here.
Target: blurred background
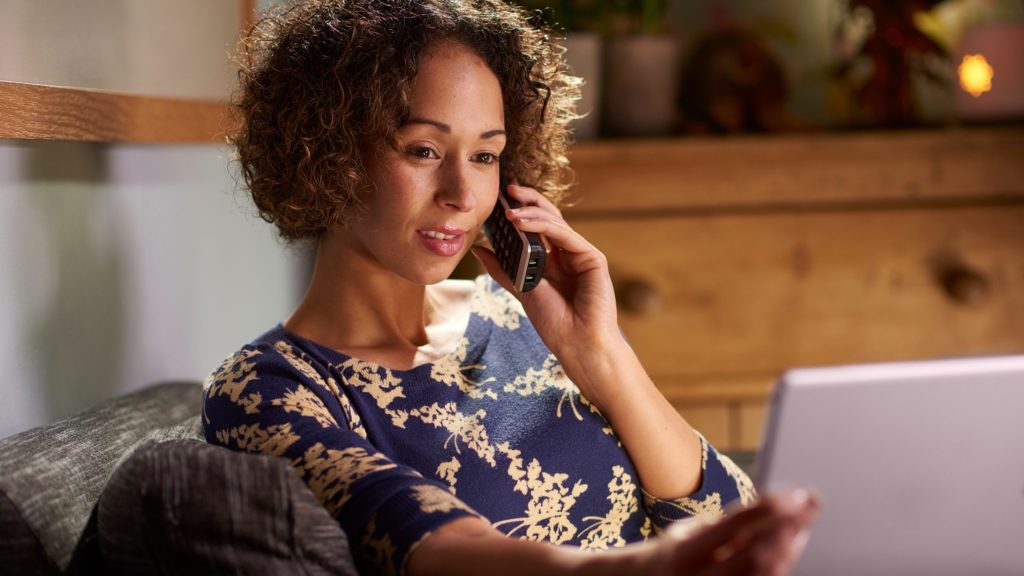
(657, 67)
(122, 262)
(776, 183)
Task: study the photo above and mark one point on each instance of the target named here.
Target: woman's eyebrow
(448, 129)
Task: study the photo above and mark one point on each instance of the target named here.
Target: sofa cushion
(187, 507)
(20, 549)
(51, 476)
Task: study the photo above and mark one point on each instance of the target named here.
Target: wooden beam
(41, 112)
(753, 174)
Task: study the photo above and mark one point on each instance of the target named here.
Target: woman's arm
(663, 447)
(764, 539)
(573, 311)
(271, 399)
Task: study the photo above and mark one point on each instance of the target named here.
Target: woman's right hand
(766, 538)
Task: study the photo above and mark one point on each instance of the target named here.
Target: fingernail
(512, 211)
(797, 499)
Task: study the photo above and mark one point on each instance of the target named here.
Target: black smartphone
(521, 254)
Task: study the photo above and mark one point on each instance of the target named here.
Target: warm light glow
(975, 74)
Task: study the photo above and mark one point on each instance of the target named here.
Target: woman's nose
(457, 190)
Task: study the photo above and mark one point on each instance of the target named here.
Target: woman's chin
(431, 275)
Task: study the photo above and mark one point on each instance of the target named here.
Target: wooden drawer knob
(637, 296)
(964, 285)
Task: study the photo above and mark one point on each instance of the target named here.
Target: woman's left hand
(573, 307)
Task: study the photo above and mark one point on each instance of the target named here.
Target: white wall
(174, 48)
(124, 265)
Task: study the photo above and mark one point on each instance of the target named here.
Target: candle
(990, 73)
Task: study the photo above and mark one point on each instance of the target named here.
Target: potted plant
(641, 70)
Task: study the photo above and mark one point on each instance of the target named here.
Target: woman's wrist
(604, 368)
(611, 376)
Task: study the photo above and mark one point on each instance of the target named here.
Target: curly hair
(320, 79)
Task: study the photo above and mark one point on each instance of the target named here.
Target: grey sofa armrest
(52, 476)
(188, 507)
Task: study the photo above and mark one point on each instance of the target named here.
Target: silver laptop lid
(920, 465)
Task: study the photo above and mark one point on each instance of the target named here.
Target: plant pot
(640, 86)
(583, 55)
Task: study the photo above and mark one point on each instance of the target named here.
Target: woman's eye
(423, 152)
(487, 158)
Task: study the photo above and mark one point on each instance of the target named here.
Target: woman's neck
(353, 306)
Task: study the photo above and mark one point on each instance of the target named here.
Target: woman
(457, 426)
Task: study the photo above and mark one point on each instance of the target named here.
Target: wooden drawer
(762, 293)
(736, 258)
(733, 300)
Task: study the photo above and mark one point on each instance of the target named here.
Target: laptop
(919, 465)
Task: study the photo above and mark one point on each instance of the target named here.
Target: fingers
(776, 548)
(539, 215)
(766, 538)
(552, 226)
(529, 197)
(771, 551)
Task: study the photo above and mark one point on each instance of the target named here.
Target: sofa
(130, 487)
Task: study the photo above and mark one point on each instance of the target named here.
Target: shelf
(42, 112)
(826, 171)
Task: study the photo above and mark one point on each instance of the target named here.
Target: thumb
(493, 267)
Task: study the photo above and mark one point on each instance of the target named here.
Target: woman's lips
(443, 241)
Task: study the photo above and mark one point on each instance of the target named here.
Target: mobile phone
(521, 254)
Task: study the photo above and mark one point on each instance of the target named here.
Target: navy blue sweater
(495, 429)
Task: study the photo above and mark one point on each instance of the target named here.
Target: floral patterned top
(494, 429)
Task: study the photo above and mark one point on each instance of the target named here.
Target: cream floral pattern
(380, 384)
(448, 471)
(451, 371)
(305, 403)
(301, 362)
(606, 531)
(498, 306)
(378, 549)
(550, 376)
(496, 430)
(743, 483)
(547, 513)
(433, 499)
(468, 429)
(708, 508)
(232, 379)
(273, 440)
(332, 472)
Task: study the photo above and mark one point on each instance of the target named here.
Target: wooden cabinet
(735, 259)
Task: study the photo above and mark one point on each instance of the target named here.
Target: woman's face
(434, 192)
